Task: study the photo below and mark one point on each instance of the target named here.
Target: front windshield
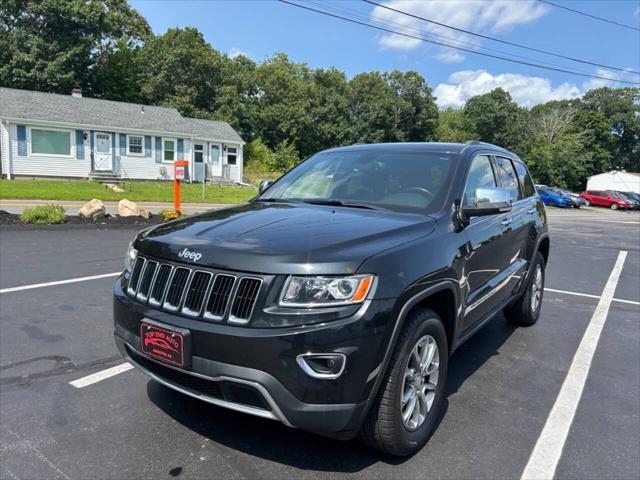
(395, 180)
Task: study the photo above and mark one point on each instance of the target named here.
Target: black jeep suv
(333, 300)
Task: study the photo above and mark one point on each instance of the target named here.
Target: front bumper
(254, 370)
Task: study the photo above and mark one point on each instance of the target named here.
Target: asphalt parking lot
(502, 386)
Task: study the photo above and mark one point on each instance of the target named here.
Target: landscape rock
(127, 208)
(93, 209)
(113, 187)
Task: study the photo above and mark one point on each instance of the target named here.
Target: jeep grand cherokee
(333, 300)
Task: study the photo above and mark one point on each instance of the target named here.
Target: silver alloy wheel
(614, 206)
(419, 382)
(536, 289)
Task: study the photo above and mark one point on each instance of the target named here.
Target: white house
(51, 135)
(615, 180)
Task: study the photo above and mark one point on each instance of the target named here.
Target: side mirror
(264, 184)
(488, 201)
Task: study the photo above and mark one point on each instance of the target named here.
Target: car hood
(283, 238)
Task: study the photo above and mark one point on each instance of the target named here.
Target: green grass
(43, 214)
(85, 190)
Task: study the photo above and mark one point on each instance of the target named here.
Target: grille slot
(245, 300)
(219, 297)
(135, 276)
(196, 293)
(177, 285)
(146, 280)
(159, 285)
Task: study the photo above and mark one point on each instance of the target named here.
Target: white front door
(102, 152)
(215, 159)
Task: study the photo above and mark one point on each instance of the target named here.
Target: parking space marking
(102, 375)
(59, 282)
(548, 448)
(588, 295)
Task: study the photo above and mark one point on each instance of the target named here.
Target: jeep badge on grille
(189, 255)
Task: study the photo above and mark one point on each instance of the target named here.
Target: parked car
(554, 198)
(578, 201)
(602, 198)
(333, 300)
(630, 196)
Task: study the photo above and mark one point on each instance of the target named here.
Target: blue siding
(79, 144)
(123, 144)
(147, 146)
(180, 149)
(22, 140)
(158, 150)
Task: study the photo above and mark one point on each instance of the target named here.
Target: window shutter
(22, 140)
(113, 151)
(79, 144)
(147, 146)
(158, 150)
(180, 149)
(123, 144)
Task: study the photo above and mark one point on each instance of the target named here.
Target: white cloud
(597, 82)
(637, 13)
(235, 52)
(450, 56)
(477, 16)
(525, 90)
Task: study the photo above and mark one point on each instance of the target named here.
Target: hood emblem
(189, 255)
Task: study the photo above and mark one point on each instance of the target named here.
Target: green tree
(51, 45)
(454, 126)
(116, 74)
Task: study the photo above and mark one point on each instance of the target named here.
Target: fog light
(322, 365)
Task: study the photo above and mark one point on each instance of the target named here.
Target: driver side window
(480, 176)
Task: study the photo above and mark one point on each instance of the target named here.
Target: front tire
(526, 309)
(409, 402)
(614, 206)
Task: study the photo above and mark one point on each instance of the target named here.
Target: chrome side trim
(489, 294)
(323, 376)
(274, 414)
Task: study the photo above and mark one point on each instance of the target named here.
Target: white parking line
(103, 375)
(588, 295)
(548, 449)
(59, 282)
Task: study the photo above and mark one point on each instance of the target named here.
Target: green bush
(43, 214)
(285, 157)
(258, 155)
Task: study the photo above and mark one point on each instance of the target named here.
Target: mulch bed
(12, 221)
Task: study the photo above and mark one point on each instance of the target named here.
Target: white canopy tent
(615, 180)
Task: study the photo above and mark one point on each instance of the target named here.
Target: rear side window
(526, 184)
(480, 176)
(507, 176)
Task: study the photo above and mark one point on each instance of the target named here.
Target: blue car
(554, 198)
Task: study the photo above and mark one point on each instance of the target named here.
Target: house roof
(84, 111)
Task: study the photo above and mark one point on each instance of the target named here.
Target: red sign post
(179, 172)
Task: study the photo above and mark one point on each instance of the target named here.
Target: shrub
(284, 157)
(258, 155)
(43, 214)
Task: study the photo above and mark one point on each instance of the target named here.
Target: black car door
(488, 254)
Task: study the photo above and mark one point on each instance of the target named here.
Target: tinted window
(526, 184)
(507, 176)
(392, 179)
(480, 176)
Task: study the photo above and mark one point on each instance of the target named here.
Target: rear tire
(614, 206)
(388, 427)
(526, 309)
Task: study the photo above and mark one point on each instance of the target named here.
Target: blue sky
(260, 28)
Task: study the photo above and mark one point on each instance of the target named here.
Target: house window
(169, 150)
(135, 145)
(232, 155)
(50, 142)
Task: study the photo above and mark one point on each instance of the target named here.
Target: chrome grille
(219, 297)
(159, 285)
(145, 280)
(177, 284)
(245, 300)
(193, 292)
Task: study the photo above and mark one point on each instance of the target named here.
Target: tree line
(287, 110)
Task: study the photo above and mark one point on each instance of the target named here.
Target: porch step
(98, 175)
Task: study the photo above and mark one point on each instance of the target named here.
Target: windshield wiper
(342, 203)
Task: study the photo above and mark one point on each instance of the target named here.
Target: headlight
(325, 291)
(130, 259)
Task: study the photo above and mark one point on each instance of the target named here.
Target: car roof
(436, 147)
